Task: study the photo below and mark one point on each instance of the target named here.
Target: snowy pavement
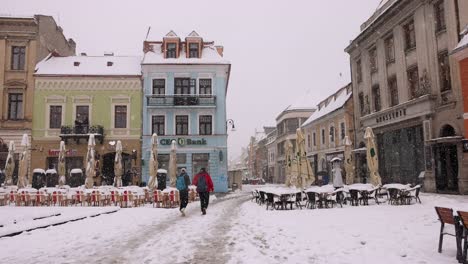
(236, 230)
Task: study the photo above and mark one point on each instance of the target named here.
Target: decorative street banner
(183, 141)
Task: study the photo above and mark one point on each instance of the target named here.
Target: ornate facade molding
(128, 84)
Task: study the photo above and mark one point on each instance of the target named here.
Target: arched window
(447, 131)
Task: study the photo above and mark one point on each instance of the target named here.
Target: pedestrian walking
(204, 186)
(182, 183)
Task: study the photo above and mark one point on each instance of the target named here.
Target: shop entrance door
(446, 167)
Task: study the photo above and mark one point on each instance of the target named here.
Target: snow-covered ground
(236, 230)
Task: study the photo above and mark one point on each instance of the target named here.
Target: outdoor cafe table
(283, 193)
(322, 191)
(398, 186)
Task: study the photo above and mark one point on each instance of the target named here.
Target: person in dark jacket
(204, 186)
(182, 183)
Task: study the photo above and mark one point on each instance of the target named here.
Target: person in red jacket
(204, 186)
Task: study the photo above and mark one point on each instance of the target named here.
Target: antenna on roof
(147, 33)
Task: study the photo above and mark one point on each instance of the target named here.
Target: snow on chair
(157, 199)
(114, 197)
(12, 197)
(124, 199)
(171, 199)
(55, 198)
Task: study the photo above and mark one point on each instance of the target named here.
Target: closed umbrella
(348, 163)
(10, 164)
(23, 163)
(153, 166)
(118, 166)
(291, 167)
(372, 158)
(61, 164)
(306, 175)
(173, 164)
(90, 163)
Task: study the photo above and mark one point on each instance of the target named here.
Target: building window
(410, 36)
(193, 50)
(158, 125)
(440, 16)
(444, 72)
(376, 97)
(359, 71)
(159, 86)
(184, 85)
(413, 81)
(15, 106)
(205, 86)
(332, 134)
(82, 114)
(55, 116)
(373, 60)
(171, 50)
(120, 116)
(292, 125)
(343, 130)
(361, 103)
(323, 136)
(182, 125)
(389, 49)
(308, 141)
(314, 139)
(18, 57)
(205, 125)
(393, 90)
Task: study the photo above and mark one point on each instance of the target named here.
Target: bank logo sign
(183, 141)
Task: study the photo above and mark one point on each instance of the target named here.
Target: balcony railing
(81, 132)
(181, 100)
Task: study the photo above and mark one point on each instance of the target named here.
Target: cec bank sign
(182, 141)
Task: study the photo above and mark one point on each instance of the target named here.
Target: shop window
(18, 57)
(55, 116)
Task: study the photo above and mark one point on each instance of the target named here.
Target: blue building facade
(185, 85)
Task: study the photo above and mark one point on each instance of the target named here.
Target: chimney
(76, 63)
(83, 54)
(107, 53)
(109, 63)
(72, 45)
(220, 50)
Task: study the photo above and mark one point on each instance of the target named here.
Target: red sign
(70, 152)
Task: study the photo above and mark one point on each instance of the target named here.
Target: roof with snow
(329, 105)
(302, 103)
(155, 55)
(463, 42)
(90, 65)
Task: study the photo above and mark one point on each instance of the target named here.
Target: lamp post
(230, 123)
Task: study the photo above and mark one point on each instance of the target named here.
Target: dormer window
(76, 63)
(171, 50)
(193, 50)
(109, 63)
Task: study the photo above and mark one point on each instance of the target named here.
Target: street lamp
(230, 122)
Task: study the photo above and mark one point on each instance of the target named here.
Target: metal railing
(181, 100)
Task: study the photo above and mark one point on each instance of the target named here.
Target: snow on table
(398, 186)
(321, 189)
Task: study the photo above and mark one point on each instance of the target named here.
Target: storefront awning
(452, 139)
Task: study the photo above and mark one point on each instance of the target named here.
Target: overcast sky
(280, 50)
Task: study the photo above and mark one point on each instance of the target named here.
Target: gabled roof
(90, 65)
(171, 34)
(193, 34)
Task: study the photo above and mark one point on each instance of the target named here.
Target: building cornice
(97, 84)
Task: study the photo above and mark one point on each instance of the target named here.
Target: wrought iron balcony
(181, 100)
(81, 132)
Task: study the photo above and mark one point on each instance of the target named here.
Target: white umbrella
(173, 164)
(153, 166)
(349, 167)
(291, 167)
(118, 166)
(10, 164)
(90, 163)
(61, 164)
(306, 175)
(23, 163)
(372, 158)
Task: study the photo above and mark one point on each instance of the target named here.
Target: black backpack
(201, 184)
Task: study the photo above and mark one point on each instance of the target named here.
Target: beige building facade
(24, 41)
(406, 86)
(326, 129)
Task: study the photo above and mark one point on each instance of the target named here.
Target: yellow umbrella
(372, 158)
(306, 175)
(10, 164)
(153, 166)
(349, 162)
(118, 166)
(173, 164)
(90, 163)
(23, 163)
(61, 164)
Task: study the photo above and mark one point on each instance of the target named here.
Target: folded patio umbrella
(10, 164)
(23, 163)
(372, 158)
(305, 173)
(61, 164)
(153, 164)
(118, 166)
(90, 163)
(349, 162)
(291, 166)
(173, 164)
